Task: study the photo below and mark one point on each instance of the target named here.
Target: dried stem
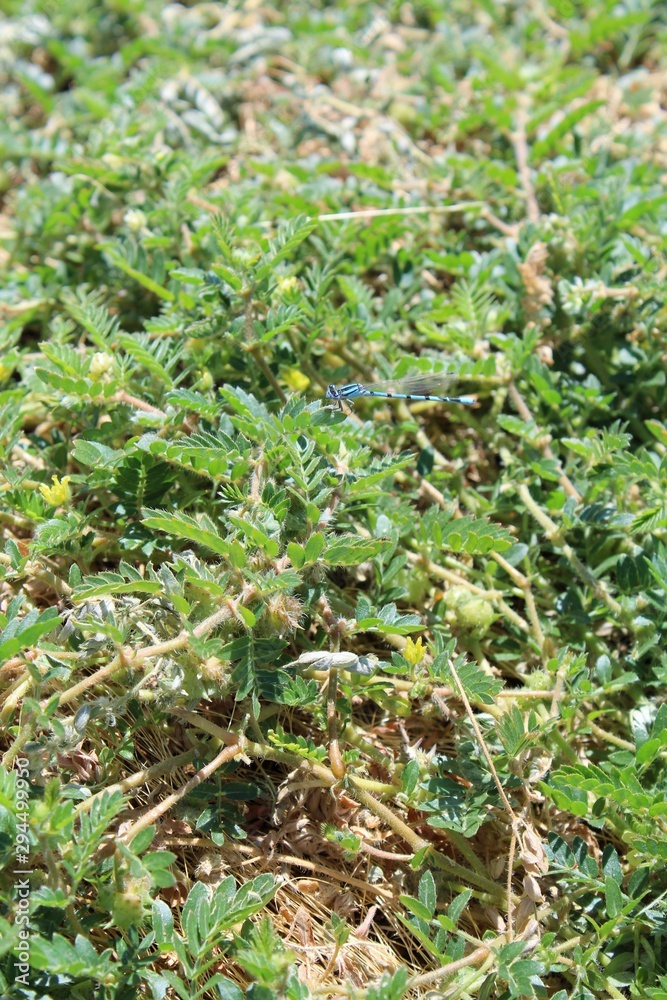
(554, 535)
(151, 815)
(525, 414)
(520, 143)
(373, 213)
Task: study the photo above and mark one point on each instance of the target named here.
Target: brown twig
(525, 414)
(151, 815)
(553, 533)
(520, 143)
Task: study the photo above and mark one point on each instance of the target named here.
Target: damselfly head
(331, 392)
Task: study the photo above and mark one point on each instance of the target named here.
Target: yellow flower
(414, 651)
(288, 284)
(59, 493)
(295, 379)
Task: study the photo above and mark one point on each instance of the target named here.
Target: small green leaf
(427, 892)
(515, 425)
(410, 777)
(649, 751)
(183, 526)
(646, 206)
(312, 513)
(25, 632)
(454, 541)
(658, 430)
(237, 556)
(116, 256)
(114, 583)
(188, 275)
(548, 469)
(256, 535)
(613, 897)
(290, 236)
(232, 279)
(350, 550)
(248, 617)
(297, 554)
(314, 547)
(611, 864)
(416, 906)
(458, 905)
(143, 839)
(564, 127)
(93, 453)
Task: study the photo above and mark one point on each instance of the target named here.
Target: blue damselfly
(415, 387)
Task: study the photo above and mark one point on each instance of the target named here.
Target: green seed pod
(466, 612)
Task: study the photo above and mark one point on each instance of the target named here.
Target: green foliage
(222, 596)
(22, 633)
(436, 932)
(207, 919)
